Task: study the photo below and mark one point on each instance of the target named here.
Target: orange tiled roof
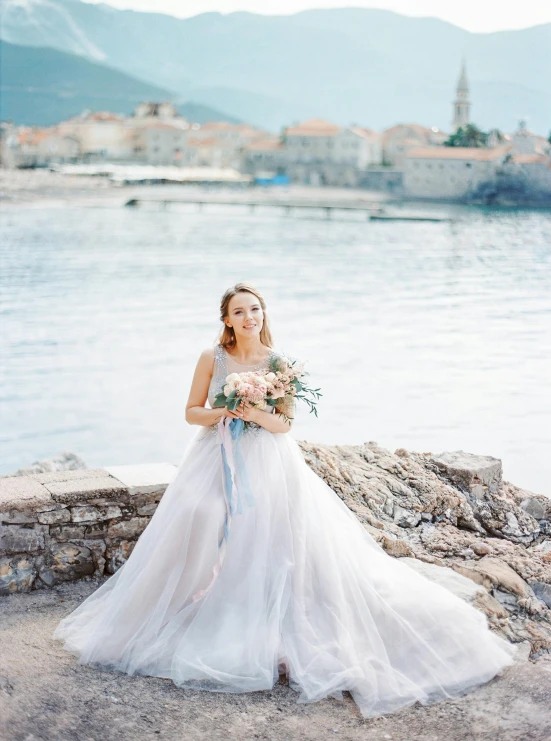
(363, 132)
(160, 125)
(313, 127)
(211, 142)
(104, 116)
(218, 125)
(417, 129)
(528, 159)
(457, 153)
(35, 136)
(261, 144)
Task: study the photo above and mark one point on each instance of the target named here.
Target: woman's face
(245, 315)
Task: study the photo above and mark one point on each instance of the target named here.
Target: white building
(216, 144)
(149, 116)
(165, 143)
(266, 156)
(358, 147)
(101, 135)
(452, 173)
(37, 147)
(321, 153)
(526, 142)
(398, 140)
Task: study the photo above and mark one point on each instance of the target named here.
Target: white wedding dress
(302, 584)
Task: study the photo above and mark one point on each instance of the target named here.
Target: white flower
(233, 377)
(227, 390)
(270, 376)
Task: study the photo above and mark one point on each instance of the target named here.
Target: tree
(470, 136)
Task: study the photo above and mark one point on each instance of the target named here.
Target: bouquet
(278, 386)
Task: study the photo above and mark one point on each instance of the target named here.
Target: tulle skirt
(302, 585)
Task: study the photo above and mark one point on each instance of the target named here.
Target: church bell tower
(462, 104)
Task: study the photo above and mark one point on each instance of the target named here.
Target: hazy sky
(474, 15)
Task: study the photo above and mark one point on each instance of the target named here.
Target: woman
(290, 580)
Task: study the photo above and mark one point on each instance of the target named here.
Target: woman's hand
(226, 413)
(263, 417)
(247, 412)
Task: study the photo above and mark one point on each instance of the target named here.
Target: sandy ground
(46, 695)
(42, 187)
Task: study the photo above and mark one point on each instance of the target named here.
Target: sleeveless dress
(302, 586)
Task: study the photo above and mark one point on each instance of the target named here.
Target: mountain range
(349, 65)
(41, 86)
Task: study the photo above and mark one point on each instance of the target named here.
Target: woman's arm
(196, 412)
(272, 422)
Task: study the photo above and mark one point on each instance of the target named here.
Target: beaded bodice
(224, 364)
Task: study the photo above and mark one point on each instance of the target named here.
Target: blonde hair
(227, 336)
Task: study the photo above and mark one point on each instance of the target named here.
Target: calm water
(429, 336)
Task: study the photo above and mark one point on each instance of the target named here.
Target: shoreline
(46, 188)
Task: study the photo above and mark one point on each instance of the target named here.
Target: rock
(396, 547)
(481, 548)
(54, 517)
(128, 528)
(65, 562)
(524, 532)
(509, 601)
(489, 605)
(466, 470)
(64, 461)
(17, 574)
(91, 514)
(65, 533)
(98, 549)
(148, 510)
(543, 548)
(15, 539)
(15, 517)
(534, 507)
(405, 518)
(117, 555)
(542, 591)
(495, 574)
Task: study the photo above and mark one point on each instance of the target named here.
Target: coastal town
(157, 145)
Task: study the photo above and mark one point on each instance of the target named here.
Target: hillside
(350, 65)
(41, 86)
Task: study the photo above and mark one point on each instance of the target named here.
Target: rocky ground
(450, 516)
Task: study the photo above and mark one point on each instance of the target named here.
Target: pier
(288, 206)
(372, 209)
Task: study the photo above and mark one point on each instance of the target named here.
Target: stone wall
(450, 516)
(66, 525)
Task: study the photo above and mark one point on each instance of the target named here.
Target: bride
(289, 581)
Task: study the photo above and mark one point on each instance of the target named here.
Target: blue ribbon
(236, 427)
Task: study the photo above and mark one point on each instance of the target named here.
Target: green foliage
(470, 136)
